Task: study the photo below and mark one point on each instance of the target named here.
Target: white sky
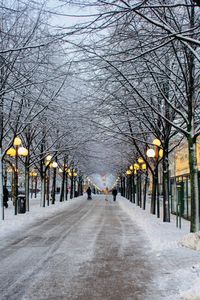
(61, 7)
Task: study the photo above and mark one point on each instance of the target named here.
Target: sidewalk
(180, 265)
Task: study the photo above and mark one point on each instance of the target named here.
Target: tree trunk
(140, 189)
(1, 184)
(157, 192)
(166, 204)
(194, 225)
(43, 186)
(66, 187)
(153, 195)
(27, 181)
(133, 185)
(72, 185)
(121, 187)
(53, 192)
(48, 185)
(36, 181)
(62, 185)
(145, 190)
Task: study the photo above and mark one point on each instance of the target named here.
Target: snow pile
(13, 223)
(193, 293)
(191, 240)
(161, 235)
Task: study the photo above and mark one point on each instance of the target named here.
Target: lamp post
(33, 176)
(155, 154)
(75, 183)
(16, 151)
(47, 179)
(71, 174)
(145, 170)
(140, 168)
(136, 168)
(132, 185)
(54, 165)
(128, 191)
(80, 184)
(62, 171)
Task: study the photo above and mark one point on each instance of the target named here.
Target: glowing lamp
(140, 160)
(136, 166)
(131, 168)
(128, 172)
(17, 141)
(33, 173)
(11, 152)
(54, 164)
(157, 142)
(151, 153)
(23, 151)
(49, 157)
(160, 153)
(144, 166)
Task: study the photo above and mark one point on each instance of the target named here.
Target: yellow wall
(182, 165)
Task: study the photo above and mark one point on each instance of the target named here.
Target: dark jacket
(5, 196)
(89, 192)
(114, 192)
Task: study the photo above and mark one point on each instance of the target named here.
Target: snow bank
(161, 235)
(166, 236)
(191, 240)
(13, 223)
(193, 293)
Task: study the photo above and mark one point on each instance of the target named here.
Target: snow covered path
(89, 250)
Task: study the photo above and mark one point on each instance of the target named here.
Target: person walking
(114, 193)
(106, 194)
(89, 192)
(5, 196)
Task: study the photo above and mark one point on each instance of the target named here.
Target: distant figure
(106, 194)
(5, 196)
(89, 192)
(114, 193)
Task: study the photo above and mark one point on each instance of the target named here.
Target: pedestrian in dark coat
(89, 192)
(114, 193)
(5, 196)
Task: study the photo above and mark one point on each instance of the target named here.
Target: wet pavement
(91, 251)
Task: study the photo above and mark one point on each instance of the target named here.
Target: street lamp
(155, 154)
(15, 152)
(138, 167)
(48, 163)
(53, 165)
(151, 153)
(33, 176)
(132, 183)
(128, 184)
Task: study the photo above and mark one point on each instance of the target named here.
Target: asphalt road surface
(92, 250)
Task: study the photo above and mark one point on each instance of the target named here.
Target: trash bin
(21, 204)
